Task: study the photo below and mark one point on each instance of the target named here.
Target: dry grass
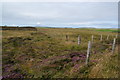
(107, 66)
(46, 54)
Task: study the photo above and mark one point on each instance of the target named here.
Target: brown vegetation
(19, 28)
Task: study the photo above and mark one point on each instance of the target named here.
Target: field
(46, 53)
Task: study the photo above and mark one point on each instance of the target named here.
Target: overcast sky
(61, 14)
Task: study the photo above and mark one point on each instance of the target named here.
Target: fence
(90, 45)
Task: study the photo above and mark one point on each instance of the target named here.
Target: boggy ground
(46, 53)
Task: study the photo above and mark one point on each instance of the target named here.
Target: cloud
(60, 14)
(59, 0)
(38, 23)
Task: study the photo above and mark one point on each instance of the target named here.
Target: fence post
(92, 38)
(107, 37)
(79, 40)
(101, 38)
(88, 52)
(113, 46)
(67, 37)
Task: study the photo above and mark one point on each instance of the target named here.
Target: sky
(60, 14)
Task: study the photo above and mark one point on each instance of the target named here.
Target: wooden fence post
(113, 46)
(67, 37)
(107, 37)
(101, 38)
(79, 39)
(92, 38)
(88, 52)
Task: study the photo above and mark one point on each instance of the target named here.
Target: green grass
(46, 53)
(108, 30)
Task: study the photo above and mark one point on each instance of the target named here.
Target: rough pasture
(46, 53)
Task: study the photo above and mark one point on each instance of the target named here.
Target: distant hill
(18, 28)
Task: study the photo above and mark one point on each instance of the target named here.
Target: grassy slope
(45, 53)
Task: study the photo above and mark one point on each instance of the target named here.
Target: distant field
(46, 53)
(108, 30)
